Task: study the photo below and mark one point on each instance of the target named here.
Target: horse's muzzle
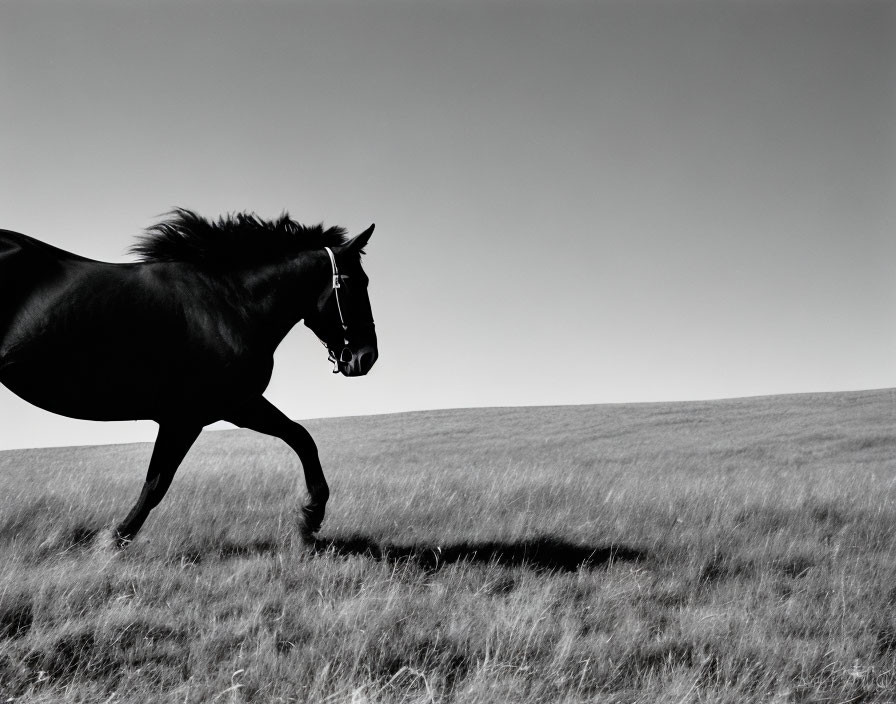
(357, 362)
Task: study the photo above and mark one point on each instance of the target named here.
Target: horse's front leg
(262, 416)
(172, 444)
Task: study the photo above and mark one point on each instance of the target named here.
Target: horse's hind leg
(262, 416)
(172, 444)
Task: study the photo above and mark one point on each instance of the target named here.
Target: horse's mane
(233, 240)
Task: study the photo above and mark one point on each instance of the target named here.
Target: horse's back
(14, 244)
(14, 249)
(105, 341)
(24, 259)
(37, 284)
(21, 258)
(24, 263)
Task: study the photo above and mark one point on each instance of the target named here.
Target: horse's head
(342, 318)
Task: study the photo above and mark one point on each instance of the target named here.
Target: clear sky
(576, 202)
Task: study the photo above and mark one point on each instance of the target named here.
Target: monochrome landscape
(725, 551)
(626, 204)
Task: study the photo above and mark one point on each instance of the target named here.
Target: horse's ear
(356, 244)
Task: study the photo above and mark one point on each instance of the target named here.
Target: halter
(337, 284)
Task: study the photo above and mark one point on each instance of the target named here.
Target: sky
(576, 202)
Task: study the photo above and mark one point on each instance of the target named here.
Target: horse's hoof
(304, 522)
(304, 542)
(106, 542)
(310, 519)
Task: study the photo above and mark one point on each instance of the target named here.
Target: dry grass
(736, 551)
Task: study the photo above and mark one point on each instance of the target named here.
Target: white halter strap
(336, 285)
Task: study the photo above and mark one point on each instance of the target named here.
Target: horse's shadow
(541, 553)
(545, 553)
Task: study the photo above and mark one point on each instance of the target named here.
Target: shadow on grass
(539, 553)
(542, 553)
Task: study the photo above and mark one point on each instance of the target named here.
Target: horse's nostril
(366, 360)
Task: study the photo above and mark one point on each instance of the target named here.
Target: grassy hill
(734, 551)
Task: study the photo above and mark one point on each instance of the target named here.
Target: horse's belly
(73, 393)
(114, 383)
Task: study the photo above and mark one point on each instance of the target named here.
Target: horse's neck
(282, 294)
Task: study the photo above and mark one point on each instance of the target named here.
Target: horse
(184, 336)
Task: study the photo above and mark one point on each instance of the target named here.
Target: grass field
(728, 551)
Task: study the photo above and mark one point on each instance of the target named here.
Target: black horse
(185, 336)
